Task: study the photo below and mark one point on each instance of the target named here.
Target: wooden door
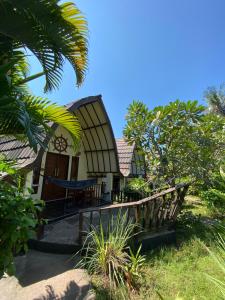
(56, 166)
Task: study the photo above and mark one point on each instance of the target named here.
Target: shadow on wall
(72, 292)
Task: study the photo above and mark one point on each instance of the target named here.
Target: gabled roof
(125, 154)
(130, 162)
(18, 151)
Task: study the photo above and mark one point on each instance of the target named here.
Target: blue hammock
(72, 184)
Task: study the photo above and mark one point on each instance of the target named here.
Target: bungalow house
(69, 179)
(101, 163)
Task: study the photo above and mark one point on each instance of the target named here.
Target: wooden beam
(94, 126)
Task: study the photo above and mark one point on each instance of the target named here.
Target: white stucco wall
(70, 151)
(28, 182)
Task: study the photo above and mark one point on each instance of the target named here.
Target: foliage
(178, 271)
(216, 99)
(108, 254)
(24, 115)
(172, 272)
(178, 140)
(219, 258)
(18, 218)
(214, 199)
(139, 185)
(133, 269)
(50, 30)
(215, 195)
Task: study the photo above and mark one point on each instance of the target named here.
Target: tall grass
(107, 253)
(219, 258)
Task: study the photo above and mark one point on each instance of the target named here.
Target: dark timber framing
(104, 136)
(98, 137)
(98, 141)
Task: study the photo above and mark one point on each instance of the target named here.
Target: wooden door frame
(68, 168)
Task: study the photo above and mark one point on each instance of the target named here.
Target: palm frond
(51, 31)
(219, 258)
(31, 116)
(26, 115)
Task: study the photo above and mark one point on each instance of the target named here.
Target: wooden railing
(75, 200)
(95, 190)
(151, 214)
(125, 196)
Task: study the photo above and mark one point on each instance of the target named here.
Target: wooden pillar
(109, 186)
(81, 220)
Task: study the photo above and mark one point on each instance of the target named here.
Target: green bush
(214, 199)
(139, 185)
(18, 219)
(215, 195)
(107, 253)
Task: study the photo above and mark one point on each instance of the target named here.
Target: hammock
(72, 185)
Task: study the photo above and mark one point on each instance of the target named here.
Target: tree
(216, 99)
(24, 115)
(53, 32)
(178, 140)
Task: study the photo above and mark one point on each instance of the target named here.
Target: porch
(155, 216)
(76, 199)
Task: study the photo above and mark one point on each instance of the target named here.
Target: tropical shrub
(215, 195)
(214, 199)
(107, 253)
(139, 185)
(178, 140)
(18, 218)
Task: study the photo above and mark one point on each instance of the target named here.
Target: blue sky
(150, 50)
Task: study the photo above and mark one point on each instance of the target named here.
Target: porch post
(109, 186)
(69, 172)
(28, 182)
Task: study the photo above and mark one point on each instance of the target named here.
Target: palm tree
(53, 32)
(24, 115)
(216, 99)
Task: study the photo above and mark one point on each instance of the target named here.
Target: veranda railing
(65, 206)
(152, 213)
(125, 196)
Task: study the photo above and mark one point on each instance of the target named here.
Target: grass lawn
(179, 272)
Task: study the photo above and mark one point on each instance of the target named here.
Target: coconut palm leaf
(219, 258)
(52, 31)
(30, 117)
(26, 116)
